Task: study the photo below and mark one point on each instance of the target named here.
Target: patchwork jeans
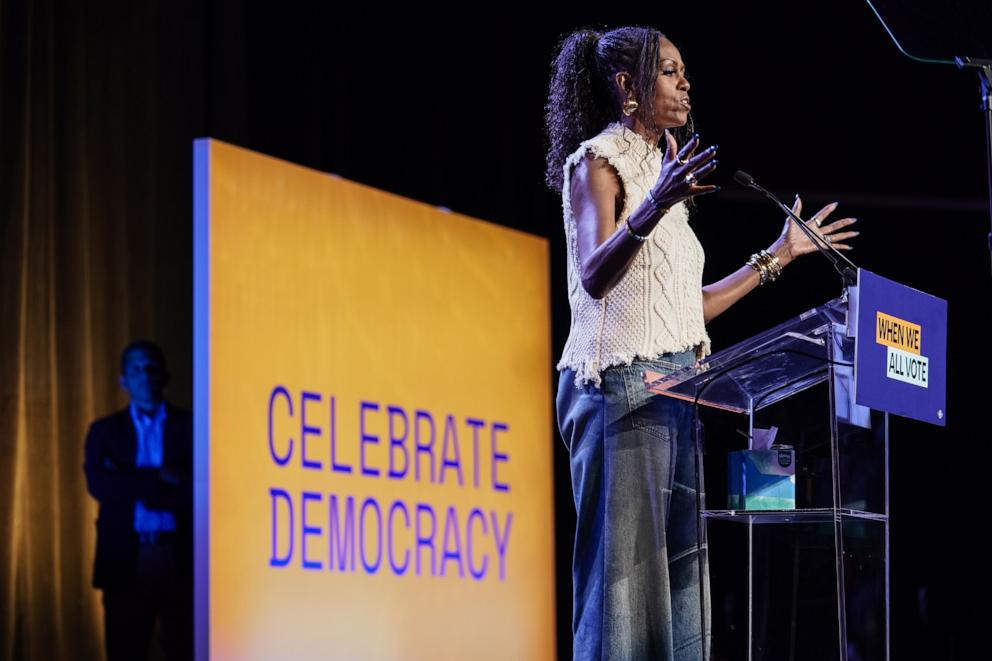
(635, 568)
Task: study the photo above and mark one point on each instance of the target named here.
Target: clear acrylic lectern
(810, 582)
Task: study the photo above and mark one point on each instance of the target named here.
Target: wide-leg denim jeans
(635, 569)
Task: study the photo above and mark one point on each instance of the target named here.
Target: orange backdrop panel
(379, 424)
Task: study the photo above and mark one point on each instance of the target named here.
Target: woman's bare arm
(605, 252)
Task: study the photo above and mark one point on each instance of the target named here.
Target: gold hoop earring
(630, 106)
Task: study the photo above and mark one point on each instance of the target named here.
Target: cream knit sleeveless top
(657, 307)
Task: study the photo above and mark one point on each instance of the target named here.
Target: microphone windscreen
(743, 178)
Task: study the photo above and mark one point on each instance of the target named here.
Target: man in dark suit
(139, 466)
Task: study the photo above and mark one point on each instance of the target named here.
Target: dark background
(444, 104)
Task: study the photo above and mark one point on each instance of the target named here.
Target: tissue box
(762, 479)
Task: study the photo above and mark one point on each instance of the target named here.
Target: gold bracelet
(774, 266)
(767, 265)
(758, 265)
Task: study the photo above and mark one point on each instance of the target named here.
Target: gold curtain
(95, 198)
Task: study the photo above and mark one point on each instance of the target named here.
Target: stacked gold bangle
(767, 266)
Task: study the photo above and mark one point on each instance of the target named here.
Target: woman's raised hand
(681, 170)
(797, 243)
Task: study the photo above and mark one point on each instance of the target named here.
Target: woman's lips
(684, 102)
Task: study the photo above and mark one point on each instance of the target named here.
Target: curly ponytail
(582, 98)
(578, 105)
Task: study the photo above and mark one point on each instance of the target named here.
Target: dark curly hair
(582, 98)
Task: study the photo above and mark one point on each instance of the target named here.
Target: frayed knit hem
(586, 372)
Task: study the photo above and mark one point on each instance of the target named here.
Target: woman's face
(671, 90)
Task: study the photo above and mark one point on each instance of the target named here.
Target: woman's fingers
(837, 224)
(672, 153)
(836, 239)
(701, 158)
(703, 190)
(682, 170)
(821, 215)
(687, 150)
(705, 170)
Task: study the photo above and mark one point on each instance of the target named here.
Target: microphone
(848, 272)
(744, 179)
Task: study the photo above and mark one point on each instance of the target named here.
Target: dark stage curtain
(95, 227)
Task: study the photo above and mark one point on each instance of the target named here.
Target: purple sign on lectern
(900, 358)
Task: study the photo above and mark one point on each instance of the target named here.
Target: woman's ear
(622, 79)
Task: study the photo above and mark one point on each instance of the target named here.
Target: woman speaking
(621, 156)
